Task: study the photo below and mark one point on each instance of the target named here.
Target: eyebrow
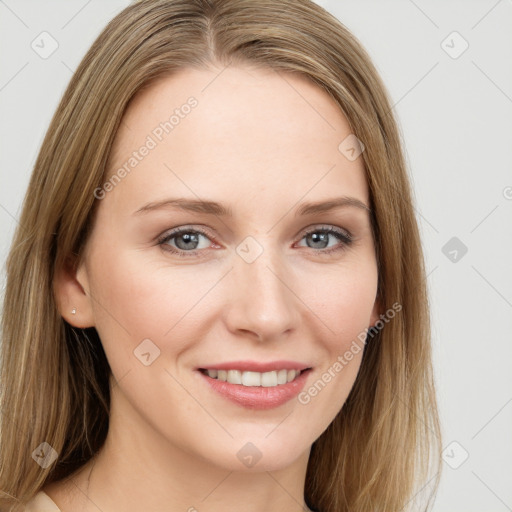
(214, 208)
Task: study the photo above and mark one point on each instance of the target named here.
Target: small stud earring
(73, 311)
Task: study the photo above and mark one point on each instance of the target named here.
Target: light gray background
(456, 119)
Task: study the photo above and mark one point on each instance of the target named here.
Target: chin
(259, 452)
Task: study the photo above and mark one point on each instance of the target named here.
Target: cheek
(343, 300)
(135, 300)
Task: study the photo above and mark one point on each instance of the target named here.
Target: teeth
(234, 376)
(282, 376)
(266, 379)
(250, 379)
(269, 379)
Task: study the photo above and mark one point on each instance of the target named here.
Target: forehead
(251, 129)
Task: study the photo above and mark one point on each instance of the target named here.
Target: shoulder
(41, 502)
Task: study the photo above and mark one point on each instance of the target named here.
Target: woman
(216, 296)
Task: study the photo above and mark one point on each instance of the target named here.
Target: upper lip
(257, 366)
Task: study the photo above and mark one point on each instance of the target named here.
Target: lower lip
(258, 397)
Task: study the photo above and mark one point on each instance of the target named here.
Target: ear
(71, 290)
(376, 312)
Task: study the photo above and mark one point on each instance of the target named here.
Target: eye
(319, 238)
(185, 241)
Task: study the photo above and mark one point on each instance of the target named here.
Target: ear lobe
(71, 296)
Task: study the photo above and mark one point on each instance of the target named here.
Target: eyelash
(344, 237)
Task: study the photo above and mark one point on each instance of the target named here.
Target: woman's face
(254, 282)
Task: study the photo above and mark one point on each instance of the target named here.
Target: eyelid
(326, 227)
(184, 229)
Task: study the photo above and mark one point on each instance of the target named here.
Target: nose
(261, 299)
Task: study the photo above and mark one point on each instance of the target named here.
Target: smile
(256, 385)
(254, 379)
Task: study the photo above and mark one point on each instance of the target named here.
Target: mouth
(256, 390)
(256, 384)
(273, 378)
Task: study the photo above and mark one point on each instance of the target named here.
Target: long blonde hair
(384, 443)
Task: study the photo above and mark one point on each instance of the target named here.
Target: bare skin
(261, 148)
